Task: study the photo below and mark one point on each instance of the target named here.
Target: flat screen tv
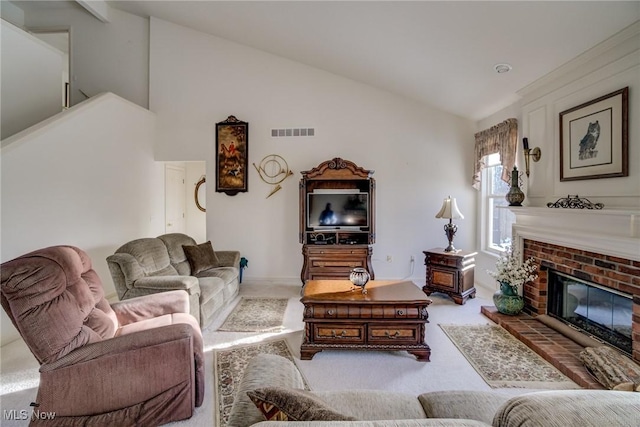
(347, 209)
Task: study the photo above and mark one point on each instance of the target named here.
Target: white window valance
(501, 138)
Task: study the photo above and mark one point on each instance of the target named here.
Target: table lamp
(450, 211)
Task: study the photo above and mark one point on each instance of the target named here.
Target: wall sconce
(529, 153)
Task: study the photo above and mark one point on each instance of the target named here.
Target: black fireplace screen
(598, 311)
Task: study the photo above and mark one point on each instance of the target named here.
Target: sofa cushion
(290, 404)
(174, 242)
(426, 422)
(476, 405)
(201, 257)
(561, 408)
(263, 370)
(373, 404)
(151, 255)
(227, 274)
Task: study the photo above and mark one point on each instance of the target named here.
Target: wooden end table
(451, 273)
(390, 316)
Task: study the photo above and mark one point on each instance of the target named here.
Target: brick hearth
(600, 246)
(555, 348)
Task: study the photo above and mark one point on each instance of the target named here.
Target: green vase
(507, 301)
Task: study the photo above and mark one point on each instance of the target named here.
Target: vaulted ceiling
(440, 53)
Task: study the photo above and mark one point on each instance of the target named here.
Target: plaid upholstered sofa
(273, 384)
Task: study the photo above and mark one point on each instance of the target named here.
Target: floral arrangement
(509, 270)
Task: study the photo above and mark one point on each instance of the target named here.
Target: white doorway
(175, 198)
(60, 39)
(182, 214)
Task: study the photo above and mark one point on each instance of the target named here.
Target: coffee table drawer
(325, 333)
(396, 334)
(389, 311)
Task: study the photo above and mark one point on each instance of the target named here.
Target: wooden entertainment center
(337, 220)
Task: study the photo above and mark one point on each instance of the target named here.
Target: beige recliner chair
(138, 362)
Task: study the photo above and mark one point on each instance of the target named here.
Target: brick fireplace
(600, 247)
(608, 271)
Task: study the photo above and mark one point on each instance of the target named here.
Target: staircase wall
(31, 80)
(85, 177)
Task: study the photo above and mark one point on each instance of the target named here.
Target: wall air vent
(276, 133)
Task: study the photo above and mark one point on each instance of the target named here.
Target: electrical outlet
(389, 258)
(413, 259)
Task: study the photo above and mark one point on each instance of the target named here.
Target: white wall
(11, 13)
(30, 80)
(86, 177)
(106, 57)
(610, 66)
(419, 155)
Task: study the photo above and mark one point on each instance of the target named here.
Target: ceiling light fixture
(502, 68)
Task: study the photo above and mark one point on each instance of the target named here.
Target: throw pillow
(201, 257)
(286, 404)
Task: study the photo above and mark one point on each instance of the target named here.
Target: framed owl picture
(594, 138)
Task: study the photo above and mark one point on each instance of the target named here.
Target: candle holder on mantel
(515, 195)
(530, 154)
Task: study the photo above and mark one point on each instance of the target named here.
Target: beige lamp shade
(449, 209)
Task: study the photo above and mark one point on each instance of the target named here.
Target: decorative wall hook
(529, 153)
(203, 180)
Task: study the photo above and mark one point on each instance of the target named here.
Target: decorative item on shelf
(574, 202)
(512, 276)
(273, 169)
(359, 277)
(450, 211)
(515, 196)
(529, 154)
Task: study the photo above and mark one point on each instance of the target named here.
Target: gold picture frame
(232, 156)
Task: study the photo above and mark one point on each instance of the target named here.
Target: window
(496, 221)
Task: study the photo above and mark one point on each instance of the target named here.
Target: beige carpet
(502, 360)
(328, 370)
(256, 315)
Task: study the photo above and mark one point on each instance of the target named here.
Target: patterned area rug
(504, 361)
(256, 315)
(229, 365)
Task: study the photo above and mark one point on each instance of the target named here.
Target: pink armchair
(137, 362)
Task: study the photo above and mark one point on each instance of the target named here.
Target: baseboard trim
(287, 281)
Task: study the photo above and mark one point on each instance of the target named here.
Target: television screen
(338, 209)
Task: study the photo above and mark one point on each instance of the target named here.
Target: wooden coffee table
(390, 316)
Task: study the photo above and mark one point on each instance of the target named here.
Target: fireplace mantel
(607, 231)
